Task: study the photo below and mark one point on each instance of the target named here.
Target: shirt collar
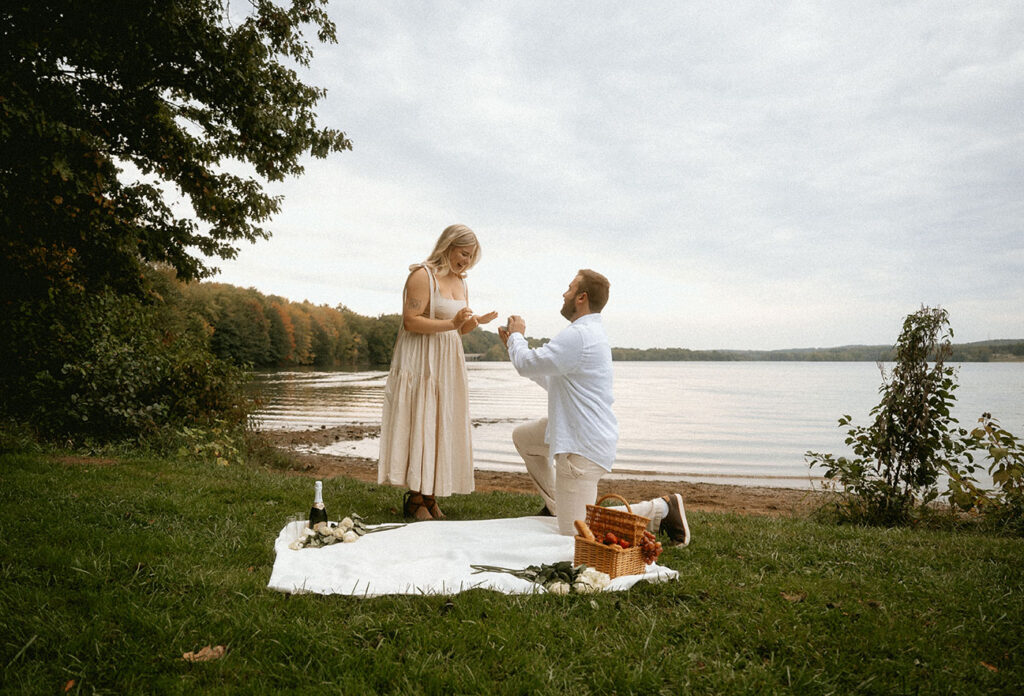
(589, 318)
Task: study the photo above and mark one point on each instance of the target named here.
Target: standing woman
(425, 442)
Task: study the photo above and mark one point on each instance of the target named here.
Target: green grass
(109, 572)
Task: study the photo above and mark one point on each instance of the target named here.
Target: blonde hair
(453, 236)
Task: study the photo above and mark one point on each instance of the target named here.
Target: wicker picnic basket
(613, 560)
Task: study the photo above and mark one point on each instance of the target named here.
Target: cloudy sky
(749, 175)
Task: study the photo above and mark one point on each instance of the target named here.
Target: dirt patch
(744, 500)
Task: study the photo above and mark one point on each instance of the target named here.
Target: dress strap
(433, 287)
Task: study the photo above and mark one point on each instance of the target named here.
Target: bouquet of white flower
(325, 533)
(558, 578)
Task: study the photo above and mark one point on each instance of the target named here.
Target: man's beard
(569, 309)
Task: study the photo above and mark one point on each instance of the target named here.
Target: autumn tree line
(266, 331)
(252, 329)
(261, 331)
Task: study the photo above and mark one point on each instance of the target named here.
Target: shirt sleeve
(558, 356)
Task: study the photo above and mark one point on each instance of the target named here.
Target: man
(581, 431)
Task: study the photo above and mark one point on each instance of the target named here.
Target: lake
(746, 423)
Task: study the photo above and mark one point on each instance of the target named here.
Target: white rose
(559, 587)
(296, 545)
(582, 587)
(346, 524)
(591, 580)
(350, 537)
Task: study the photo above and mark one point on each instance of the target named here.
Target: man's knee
(519, 436)
(528, 435)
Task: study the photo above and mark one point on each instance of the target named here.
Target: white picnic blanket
(431, 558)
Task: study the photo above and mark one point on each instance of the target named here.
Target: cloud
(749, 175)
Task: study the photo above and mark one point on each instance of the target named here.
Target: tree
(282, 334)
(132, 369)
(380, 343)
(480, 342)
(242, 332)
(302, 329)
(343, 345)
(113, 115)
(324, 335)
(913, 437)
(170, 88)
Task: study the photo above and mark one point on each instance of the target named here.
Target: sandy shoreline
(745, 500)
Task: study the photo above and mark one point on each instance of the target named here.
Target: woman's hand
(475, 321)
(461, 317)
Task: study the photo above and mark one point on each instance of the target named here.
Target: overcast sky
(749, 175)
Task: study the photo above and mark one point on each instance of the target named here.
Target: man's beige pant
(568, 485)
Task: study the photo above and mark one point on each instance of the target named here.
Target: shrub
(900, 455)
(219, 443)
(1002, 507)
(125, 369)
(914, 439)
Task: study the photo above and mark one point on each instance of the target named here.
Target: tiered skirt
(425, 440)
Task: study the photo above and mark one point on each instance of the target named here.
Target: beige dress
(425, 440)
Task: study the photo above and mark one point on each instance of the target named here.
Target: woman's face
(459, 258)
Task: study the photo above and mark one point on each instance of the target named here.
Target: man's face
(569, 304)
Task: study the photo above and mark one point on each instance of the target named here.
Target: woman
(425, 431)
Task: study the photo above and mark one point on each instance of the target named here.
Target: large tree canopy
(111, 112)
(133, 134)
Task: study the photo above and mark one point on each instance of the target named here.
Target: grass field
(110, 570)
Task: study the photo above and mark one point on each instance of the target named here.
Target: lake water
(747, 423)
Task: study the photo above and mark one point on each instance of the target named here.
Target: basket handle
(614, 495)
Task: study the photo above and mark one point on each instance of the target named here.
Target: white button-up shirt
(575, 368)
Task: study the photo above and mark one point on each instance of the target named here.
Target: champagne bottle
(317, 513)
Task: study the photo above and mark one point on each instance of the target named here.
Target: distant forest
(266, 331)
(982, 351)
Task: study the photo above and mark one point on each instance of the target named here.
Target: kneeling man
(581, 431)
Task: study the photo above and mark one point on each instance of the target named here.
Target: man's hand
(515, 324)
